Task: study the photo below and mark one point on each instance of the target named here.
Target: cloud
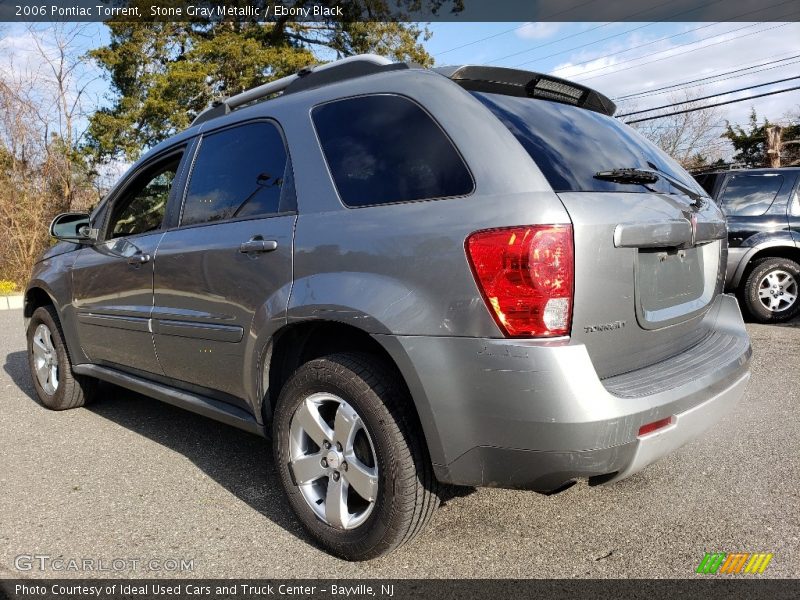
(537, 31)
(716, 50)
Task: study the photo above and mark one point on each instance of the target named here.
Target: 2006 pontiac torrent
(407, 277)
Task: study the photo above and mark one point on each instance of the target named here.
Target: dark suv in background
(405, 276)
(762, 207)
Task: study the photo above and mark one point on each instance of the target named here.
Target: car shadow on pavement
(16, 366)
(239, 461)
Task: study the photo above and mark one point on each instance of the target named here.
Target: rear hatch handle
(672, 233)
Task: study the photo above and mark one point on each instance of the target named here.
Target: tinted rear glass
(385, 148)
(571, 144)
(750, 195)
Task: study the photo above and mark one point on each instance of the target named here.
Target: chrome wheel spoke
(312, 423)
(42, 372)
(345, 425)
(48, 339)
(363, 479)
(308, 468)
(336, 511)
(789, 298)
(38, 347)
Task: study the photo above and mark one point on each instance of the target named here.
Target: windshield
(571, 144)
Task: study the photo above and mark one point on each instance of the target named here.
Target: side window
(142, 207)
(239, 172)
(385, 148)
(750, 195)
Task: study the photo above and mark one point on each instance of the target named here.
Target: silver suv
(409, 277)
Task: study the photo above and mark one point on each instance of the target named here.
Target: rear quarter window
(383, 149)
(750, 195)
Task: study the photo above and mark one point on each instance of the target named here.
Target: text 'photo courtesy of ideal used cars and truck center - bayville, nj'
(400, 299)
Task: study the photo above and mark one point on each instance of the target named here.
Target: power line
(669, 37)
(731, 77)
(496, 60)
(749, 87)
(635, 58)
(650, 43)
(688, 110)
(674, 84)
(676, 54)
(489, 37)
(679, 45)
(604, 25)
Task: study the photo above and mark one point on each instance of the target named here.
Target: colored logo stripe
(711, 562)
(737, 562)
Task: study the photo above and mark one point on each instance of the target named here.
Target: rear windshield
(571, 144)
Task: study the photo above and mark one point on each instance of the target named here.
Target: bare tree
(692, 138)
(42, 109)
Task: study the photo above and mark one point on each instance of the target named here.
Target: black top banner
(399, 10)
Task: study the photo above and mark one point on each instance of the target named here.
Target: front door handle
(258, 246)
(139, 259)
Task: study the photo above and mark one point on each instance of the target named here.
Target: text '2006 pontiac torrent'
(407, 277)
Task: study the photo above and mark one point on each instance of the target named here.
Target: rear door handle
(139, 259)
(258, 246)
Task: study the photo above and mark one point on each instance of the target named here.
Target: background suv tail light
(526, 277)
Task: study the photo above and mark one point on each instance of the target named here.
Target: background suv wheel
(351, 457)
(55, 384)
(771, 290)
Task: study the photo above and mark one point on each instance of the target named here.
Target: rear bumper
(535, 415)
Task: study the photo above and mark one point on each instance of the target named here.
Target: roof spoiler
(527, 84)
(306, 78)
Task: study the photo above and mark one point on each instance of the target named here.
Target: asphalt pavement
(131, 479)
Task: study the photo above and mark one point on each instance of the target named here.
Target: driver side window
(142, 207)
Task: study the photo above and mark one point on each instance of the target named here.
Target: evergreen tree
(163, 74)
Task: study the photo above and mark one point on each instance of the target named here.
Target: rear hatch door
(649, 259)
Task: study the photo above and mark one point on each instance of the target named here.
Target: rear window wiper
(627, 176)
(697, 199)
(647, 176)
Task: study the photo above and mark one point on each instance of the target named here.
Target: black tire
(762, 269)
(72, 390)
(407, 489)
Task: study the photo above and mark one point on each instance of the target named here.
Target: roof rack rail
(306, 78)
(516, 82)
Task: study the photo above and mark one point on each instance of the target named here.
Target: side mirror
(73, 227)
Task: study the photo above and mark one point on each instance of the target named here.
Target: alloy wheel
(777, 290)
(333, 460)
(45, 359)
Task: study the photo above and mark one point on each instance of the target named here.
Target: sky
(616, 59)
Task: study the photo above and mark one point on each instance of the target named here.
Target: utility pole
(774, 146)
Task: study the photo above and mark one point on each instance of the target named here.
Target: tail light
(526, 277)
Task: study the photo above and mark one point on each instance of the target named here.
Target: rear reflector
(525, 275)
(655, 426)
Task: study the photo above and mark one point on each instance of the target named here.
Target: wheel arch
(765, 251)
(297, 343)
(36, 296)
